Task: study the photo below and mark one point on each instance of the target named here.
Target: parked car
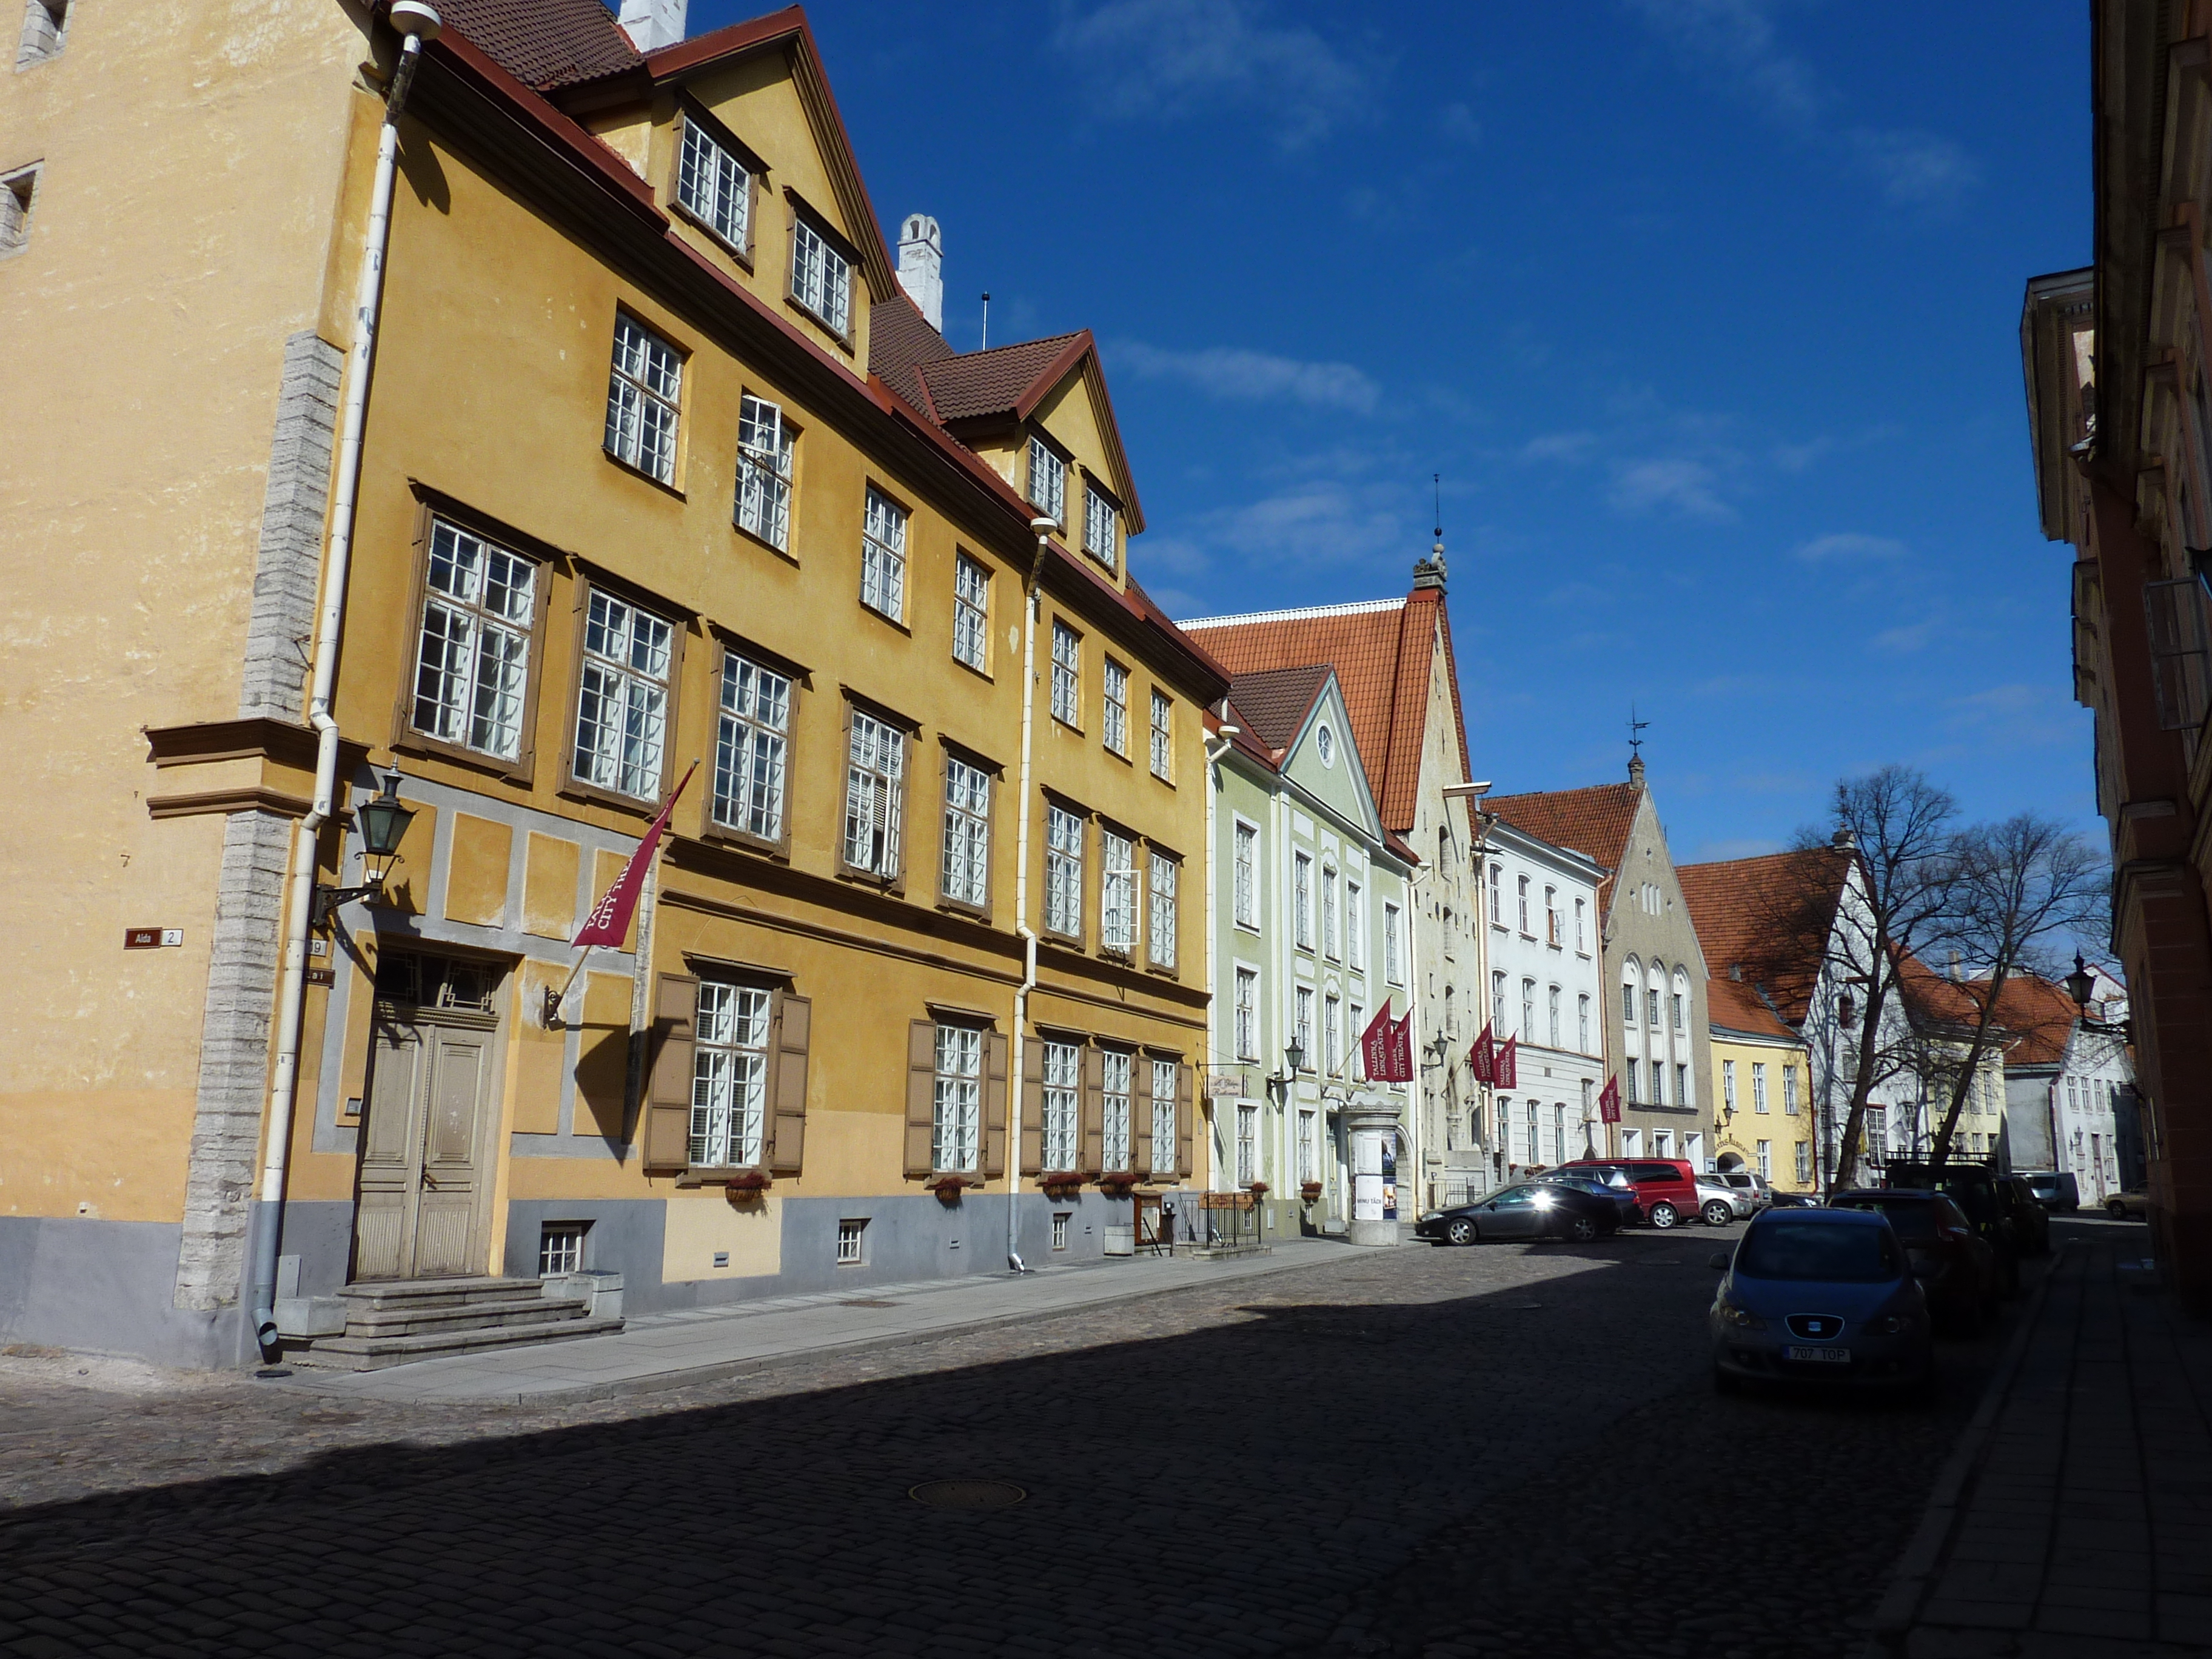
(2055, 1189)
(1955, 1264)
(1782, 1200)
(1665, 1189)
(1974, 1189)
(1748, 1181)
(1825, 1295)
(1719, 1203)
(2029, 1218)
(1617, 1191)
(2131, 1204)
(1528, 1209)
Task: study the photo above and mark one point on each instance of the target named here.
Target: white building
(2069, 1091)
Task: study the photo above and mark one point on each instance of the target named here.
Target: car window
(1947, 1214)
(1818, 1251)
(1913, 1215)
(1515, 1198)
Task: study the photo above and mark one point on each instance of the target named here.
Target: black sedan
(1622, 1197)
(1532, 1209)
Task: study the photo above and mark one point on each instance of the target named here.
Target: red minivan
(1665, 1189)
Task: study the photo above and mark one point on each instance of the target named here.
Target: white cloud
(1917, 169)
(1169, 58)
(1850, 547)
(1230, 372)
(1685, 485)
(1324, 523)
(2018, 717)
(1558, 447)
(1906, 638)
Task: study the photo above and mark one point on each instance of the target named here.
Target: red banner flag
(1378, 1046)
(1484, 1058)
(609, 921)
(1508, 1064)
(1401, 1050)
(1608, 1102)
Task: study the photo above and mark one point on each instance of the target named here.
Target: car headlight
(1434, 1215)
(1738, 1315)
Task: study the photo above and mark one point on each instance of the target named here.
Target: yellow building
(658, 464)
(1763, 1120)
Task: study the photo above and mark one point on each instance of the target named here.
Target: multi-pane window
(851, 1248)
(1160, 925)
(1728, 1084)
(1117, 892)
(1248, 1145)
(1652, 1007)
(1758, 1086)
(1789, 1091)
(474, 661)
(1804, 1162)
(1581, 1024)
(1063, 871)
(752, 740)
(1059, 1221)
(1662, 1143)
(1682, 1084)
(1115, 1072)
(1579, 925)
(643, 392)
(1306, 1151)
(622, 699)
(1497, 896)
(1552, 1007)
(875, 776)
(1244, 863)
(971, 611)
(1628, 1004)
(1162, 736)
(1248, 1014)
(966, 868)
(1115, 725)
(1355, 928)
(821, 279)
(765, 443)
(882, 555)
(1048, 482)
(1628, 1074)
(1332, 1036)
(1551, 929)
(1302, 899)
(956, 1119)
(714, 185)
(1302, 1023)
(1102, 527)
(1658, 1083)
(1766, 1160)
(1163, 1117)
(729, 1076)
(1329, 911)
(1682, 1011)
(1062, 1061)
(1067, 675)
(1523, 900)
(1497, 1004)
(561, 1247)
(1357, 1056)
(1527, 1026)
(1391, 971)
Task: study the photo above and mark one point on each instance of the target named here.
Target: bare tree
(2014, 890)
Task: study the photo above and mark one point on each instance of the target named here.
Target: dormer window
(714, 187)
(1101, 526)
(821, 277)
(1048, 482)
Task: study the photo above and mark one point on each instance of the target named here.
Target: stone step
(477, 1291)
(350, 1352)
(416, 1321)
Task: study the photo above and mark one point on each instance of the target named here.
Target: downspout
(417, 23)
(1213, 756)
(1030, 592)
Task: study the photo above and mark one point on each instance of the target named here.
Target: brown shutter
(787, 1133)
(668, 1094)
(1184, 1116)
(1032, 1122)
(1092, 1157)
(921, 1093)
(994, 1105)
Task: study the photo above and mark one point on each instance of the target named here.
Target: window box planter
(948, 1187)
(1119, 1181)
(1258, 1190)
(1060, 1184)
(747, 1188)
(1311, 1191)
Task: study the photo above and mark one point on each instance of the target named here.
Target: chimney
(1957, 975)
(1845, 839)
(1636, 770)
(921, 266)
(652, 24)
(1431, 572)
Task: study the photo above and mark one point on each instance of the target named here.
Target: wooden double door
(421, 1208)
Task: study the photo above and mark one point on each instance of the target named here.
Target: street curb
(1893, 1620)
(306, 1381)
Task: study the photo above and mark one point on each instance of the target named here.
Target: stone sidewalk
(2074, 1519)
(674, 1350)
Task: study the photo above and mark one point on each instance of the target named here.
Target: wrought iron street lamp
(382, 822)
(2081, 985)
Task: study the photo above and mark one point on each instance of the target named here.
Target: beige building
(658, 464)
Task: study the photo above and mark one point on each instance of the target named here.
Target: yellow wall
(1743, 1132)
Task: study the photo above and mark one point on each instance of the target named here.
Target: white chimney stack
(921, 266)
(652, 24)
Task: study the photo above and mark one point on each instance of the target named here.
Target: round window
(1325, 740)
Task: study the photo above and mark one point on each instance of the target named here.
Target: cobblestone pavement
(1407, 1452)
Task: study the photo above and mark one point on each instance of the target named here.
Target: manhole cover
(966, 1494)
(865, 1302)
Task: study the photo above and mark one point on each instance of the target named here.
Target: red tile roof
(2040, 1016)
(1382, 651)
(544, 44)
(1595, 821)
(1275, 701)
(1005, 380)
(1770, 915)
(900, 342)
(1734, 1006)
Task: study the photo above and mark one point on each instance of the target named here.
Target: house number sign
(151, 939)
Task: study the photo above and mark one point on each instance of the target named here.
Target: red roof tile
(900, 342)
(1595, 821)
(1275, 700)
(2040, 1017)
(1769, 915)
(975, 385)
(1734, 1006)
(545, 43)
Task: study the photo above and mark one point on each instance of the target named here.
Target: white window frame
(1160, 923)
(1355, 928)
(821, 277)
(1522, 897)
(1248, 1145)
(766, 443)
(1047, 481)
(1114, 726)
(1307, 1163)
(714, 187)
(1163, 1117)
(882, 555)
(1329, 942)
(875, 795)
(1728, 1084)
(1067, 675)
(472, 648)
(731, 1061)
(1063, 1118)
(1247, 1031)
(645, 395)
(956, 1118)
(1301, 900)
(852, 1241)
(971, 611)
(1789, 1090)
(1758, 1087)
(1302, 1019)
(1804, 1162)
(1582, 1023)
(1331, 1035)
(623, 690)
(1393, 964)
(1117, 1129)
(1244, 866)
(1101, 526)
(965, 873)
(1552, 1006)
(1117, 892)
(1765, 1160)
(1581, 938)
(752, 740)
(1162, 736)
(1063, 871)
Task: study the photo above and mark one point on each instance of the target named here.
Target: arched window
(1681, 1002)
(1631, 976)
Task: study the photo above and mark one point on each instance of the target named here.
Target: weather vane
(1635, 733)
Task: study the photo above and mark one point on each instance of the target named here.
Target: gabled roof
(1275, 701)
(1382, 651)
(2039, 1017)
(901, 343)
(1595, 821)
(1734, 1006)
(546, 44)
(1769, 916)
(1007, 381)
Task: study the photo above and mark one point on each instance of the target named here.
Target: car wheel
(1582, 1228)
(1460, 1231)
(2117, 1210)
(1664, 1215)
(1718, 1215)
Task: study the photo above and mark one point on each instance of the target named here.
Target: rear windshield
(1817, 1250)
(1914, 1216)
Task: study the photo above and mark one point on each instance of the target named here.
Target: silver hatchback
(1718, 1203)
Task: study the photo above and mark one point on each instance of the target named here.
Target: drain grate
(966, 1494)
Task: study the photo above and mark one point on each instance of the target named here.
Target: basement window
(15, 192)
(1060, 1232)
(561, 1247)
(851, 1250)
(45, 22)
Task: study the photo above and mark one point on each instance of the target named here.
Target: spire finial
(1430, 572)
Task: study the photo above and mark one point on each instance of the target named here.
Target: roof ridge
(1012, 345)
(1353, 608)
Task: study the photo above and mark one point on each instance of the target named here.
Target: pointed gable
(1595, 821)
(1762, 915)
(1277, 701)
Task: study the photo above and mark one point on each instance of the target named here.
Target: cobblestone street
(1407, 1452)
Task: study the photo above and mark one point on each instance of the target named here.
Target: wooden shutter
(788, 1132)
(994, 1105)
(1091, 1158)
(668, 1093)
(1032, 1120)
(921, 1093)
(1185, 1113)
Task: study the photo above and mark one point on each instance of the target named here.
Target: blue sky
(1706, 310)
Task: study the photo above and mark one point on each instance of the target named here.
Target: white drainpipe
(417, 23)
(1044, 527)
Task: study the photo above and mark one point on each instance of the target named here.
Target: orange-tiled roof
(901, 343)
(1275, 701)
(1741, 908)
(546, 44)
(1382, 651)
(1595, 821)
(1735, 1005)
(976, 383)
(2039, 1016)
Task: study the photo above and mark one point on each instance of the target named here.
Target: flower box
(948, 1187)
(1311, 1191)
(744, 1189)
(1258, 1190)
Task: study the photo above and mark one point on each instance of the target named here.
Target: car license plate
(1822, 1356)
